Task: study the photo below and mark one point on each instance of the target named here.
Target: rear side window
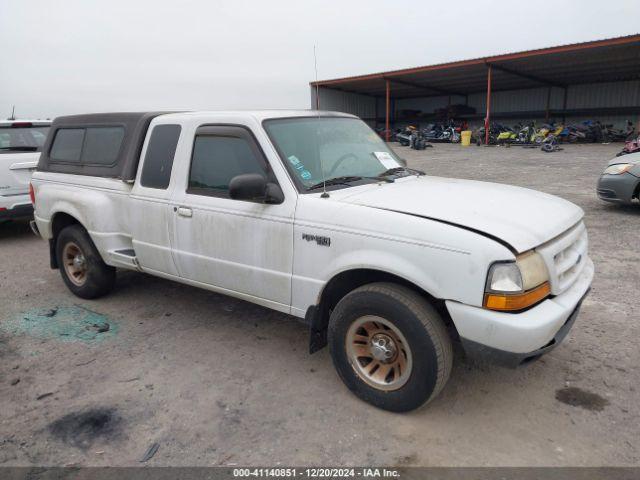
(101, 145)
(158, 161)
(217, 159)
(87, 146)
(67, 145)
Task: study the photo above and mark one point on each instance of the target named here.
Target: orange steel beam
(631, 39)
(487, 118)
(388, 101)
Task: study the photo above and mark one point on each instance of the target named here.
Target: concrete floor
(213, 380)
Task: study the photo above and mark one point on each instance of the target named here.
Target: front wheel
(390, 346)
(81, 266)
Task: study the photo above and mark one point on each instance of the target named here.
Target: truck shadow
(282, 340)
(14, 229)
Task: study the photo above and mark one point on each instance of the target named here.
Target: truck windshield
(25, 139)
(323, 148)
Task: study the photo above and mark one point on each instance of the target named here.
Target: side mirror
(254, 187)
(273, 194)
(403, 162)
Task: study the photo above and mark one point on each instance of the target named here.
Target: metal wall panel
(615, 94)
(599, 95)
(530, 99)
(335, 100)
(427, 104)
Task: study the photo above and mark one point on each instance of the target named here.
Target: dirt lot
(213, 380)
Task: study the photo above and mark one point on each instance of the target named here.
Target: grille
(565, 257)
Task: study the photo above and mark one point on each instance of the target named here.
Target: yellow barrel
(466, 138)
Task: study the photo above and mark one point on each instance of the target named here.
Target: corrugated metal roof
(612, 59)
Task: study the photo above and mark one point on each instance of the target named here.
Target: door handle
(185, 212)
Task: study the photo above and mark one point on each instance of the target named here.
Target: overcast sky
(76, 56)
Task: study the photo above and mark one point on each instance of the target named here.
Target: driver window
(217, 159)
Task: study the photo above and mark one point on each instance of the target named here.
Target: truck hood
(522, 218)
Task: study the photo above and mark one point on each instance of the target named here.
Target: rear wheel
(389, 346)
(82, 269)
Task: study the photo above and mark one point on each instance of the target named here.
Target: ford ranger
(312, 214)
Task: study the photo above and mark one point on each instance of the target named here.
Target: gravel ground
(213, 380)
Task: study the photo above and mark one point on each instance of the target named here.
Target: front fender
(448, 262)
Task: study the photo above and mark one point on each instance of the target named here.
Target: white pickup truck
(311, 214)
(20, 144)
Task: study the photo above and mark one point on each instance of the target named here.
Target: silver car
(620, 181)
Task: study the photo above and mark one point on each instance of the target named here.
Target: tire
(388, 309)
(81, 266)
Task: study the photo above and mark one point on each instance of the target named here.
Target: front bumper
(617, 188)
(481, 352)
(520, 336)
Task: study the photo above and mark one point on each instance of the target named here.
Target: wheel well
(636, 194)
(60, 221)
(345, 282)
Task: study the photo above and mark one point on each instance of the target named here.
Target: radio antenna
(324, 180)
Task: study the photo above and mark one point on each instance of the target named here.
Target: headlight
(517, 285)
(617, 169)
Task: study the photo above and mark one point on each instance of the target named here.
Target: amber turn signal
(518, 301)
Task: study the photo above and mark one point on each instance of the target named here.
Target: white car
(20, 144)
(311, 214)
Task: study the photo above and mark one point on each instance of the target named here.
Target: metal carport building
(591, 80)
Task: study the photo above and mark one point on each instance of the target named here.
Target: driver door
(234, 246)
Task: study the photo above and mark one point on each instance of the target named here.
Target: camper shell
(127, 132)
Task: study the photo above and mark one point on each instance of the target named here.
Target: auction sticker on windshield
(386, 159)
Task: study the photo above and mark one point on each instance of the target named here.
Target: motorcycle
(541, 134)
(418, 141)
(450, 133)
(404, 137)
(479, 135)
(507, 135)
(550, 144)
(630, 146)
(610, 134)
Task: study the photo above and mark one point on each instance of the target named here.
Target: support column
(546, 115)
(564, 106)
(388, 101)
(375, 114)
(487, 118)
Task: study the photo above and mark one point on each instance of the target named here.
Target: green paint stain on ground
(69, 324)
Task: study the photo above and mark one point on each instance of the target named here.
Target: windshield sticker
(293, 160)
(299, 166)
(386, 159)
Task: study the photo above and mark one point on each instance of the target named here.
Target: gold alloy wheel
(75, 264)
(379, 353)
